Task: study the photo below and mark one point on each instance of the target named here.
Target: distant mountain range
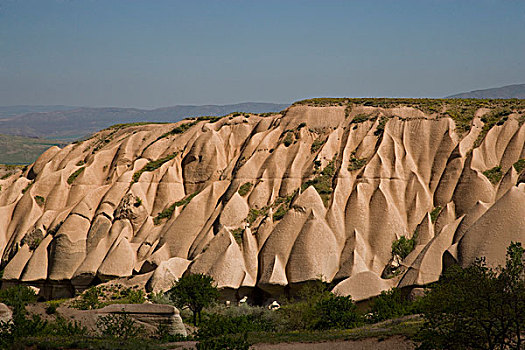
(70, 123)
(509, 91)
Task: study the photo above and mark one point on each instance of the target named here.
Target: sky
(153, 53)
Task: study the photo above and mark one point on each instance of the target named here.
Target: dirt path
(394, 343)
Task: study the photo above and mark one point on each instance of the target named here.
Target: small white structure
(274, 306)
(243, 300)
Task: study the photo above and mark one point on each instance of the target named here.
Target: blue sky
(159, 53)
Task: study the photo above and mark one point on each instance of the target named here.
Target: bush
(334, 311)
(90, 299)
(316, 145)
(390, 304)
(119, 326)
(18, 295)
(216, 325)
(245, 188)
(519, 165)
(40, 200)
(73, 176)
(168, 212)
(494, 175)
(51, 309)
(435, 213)
(288, 139)
(403, 246)
(153, 165)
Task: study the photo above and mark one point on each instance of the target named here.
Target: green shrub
(322, 182)
(73, 176)
(181, 129)
(40, 200)
(51, 309)
(403, 246)
(280, 213)
(381, 126)
(53, 231)
(245, 188)
(17, 295)
(435, 213)
(288, 139)
(120, 326)
(153, 165)
(237, 234)
(316, 145)
(28, 187)
(356, 163)
(160, 298)
(360, 118)
(494, 175)
(90, 299)
(390, 304)
(334, 311)
(168, 212)
(216, 325)
(519, 165)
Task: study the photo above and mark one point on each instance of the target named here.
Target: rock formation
(267, 202)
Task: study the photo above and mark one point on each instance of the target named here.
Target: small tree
(196, 291)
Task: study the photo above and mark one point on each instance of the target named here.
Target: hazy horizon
(146, 55)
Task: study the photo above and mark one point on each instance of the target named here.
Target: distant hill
(23, 150)
(71, 124)
(11, 111)
(509, 91)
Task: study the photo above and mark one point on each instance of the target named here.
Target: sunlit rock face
(268, 202)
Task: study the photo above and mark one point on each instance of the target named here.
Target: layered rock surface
(268, 202)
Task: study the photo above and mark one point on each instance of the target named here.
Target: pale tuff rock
(269, 201)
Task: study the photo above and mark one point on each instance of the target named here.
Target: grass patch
(28, 187)
(405, 327)
(494, 175)
(40, 200)
(245, 188)
(360, 118)
(322, 182)
(381, 126)
(281, 211)
(288, 139)
(497, 116)
(435, 213)
(237, 234)
(519, 165)
(151, 166)
(168, 212)
(356, 163)
(73, 176)
(403, 246)
(317, 144)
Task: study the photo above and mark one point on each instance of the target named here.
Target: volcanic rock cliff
(267, 202)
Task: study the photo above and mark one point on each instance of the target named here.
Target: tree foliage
(195, 291)
(477, 307)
